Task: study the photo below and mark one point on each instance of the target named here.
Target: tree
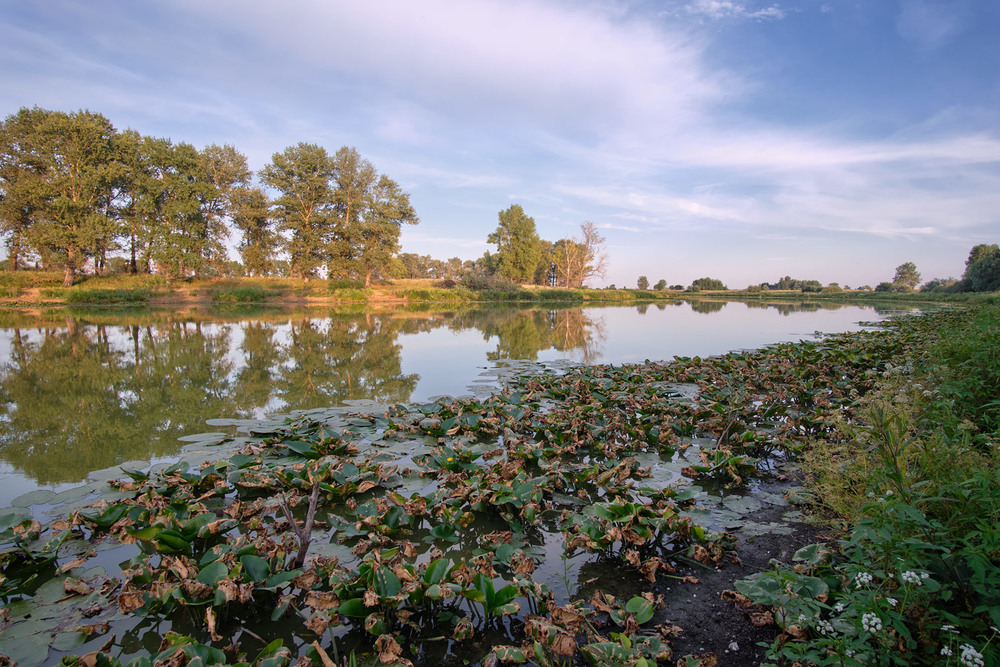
(979, 252)
(982, 273)
(21, 179)
(642, 282)
(369, 210)
(225, 168)
(708, 284)
(907, 277)
(518, 245)
(660, 285)
(302, 174)
(251, 214)
(74, 192)
(579, 259)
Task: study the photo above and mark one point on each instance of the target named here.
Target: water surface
(86, 390)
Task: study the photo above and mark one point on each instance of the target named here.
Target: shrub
(490, 284)
(248, 294)
(344, 283)
(128, 296)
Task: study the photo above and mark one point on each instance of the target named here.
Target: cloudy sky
(738, 139)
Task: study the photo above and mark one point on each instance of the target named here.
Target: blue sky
(738, 139)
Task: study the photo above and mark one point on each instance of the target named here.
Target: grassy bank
(913, 482)
(33, 287)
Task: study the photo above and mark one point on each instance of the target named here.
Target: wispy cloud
(728, 9)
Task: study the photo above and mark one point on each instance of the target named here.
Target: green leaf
(387, 584)
(642, 608)
(215, 572)
(355, 608)
(436, 571)
(256, 568)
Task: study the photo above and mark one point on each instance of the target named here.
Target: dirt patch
(714, 625)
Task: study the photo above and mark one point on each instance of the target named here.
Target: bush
(248, 294)
(102, 296)
(344, 283)
(490, 284)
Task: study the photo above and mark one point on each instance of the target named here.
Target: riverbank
(578, 514)
(40, 289)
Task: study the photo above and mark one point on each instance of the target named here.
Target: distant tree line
(74, 190)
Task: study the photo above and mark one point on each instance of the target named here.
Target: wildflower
(839, 607)
(870, 622)
(450, 459)
(970, 657)
(892, 601)
(825, 628)
(947, 628)
(862, 579)
(924, 575)
(911, 577)
(946, 650)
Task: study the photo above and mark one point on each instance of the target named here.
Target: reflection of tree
(263, 355)
(352, 357)
(522, 334)
(74, 402)
(706, 307)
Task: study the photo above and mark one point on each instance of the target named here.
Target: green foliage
(708, 284)
(906, 277)
(102, 296)
(518, 245)
(247, 294)
(495, 284)
(915, 579)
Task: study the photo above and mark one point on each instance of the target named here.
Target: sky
(744, 140)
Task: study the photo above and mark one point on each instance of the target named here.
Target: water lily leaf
(213, 573)
(256, 567)
(387, 584)
(355, 608)
(436, 571)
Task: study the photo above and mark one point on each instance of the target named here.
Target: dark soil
(712, 625)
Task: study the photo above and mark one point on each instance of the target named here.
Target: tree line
(74, 190)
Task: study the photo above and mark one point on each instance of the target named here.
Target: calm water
(83, 391)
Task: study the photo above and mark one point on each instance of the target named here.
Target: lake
(85, 390)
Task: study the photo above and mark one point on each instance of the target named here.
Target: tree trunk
(69, 276)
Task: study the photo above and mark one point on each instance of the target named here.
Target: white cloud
(728, 9)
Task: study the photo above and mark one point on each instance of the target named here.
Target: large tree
(369, 210)
(302, 175)
(226, 170)
(906, 278)
(982, 271)
(22, 169)
(75, 190)
(518, 245)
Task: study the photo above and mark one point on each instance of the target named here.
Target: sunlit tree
(518, 245)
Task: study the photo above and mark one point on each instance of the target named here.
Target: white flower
(947, 628)
(910, 577)
(945, 650)
(892, 601)
(871, 622)
(825, 628)
(839, 607)
(924, 575)
(970, 657)
(862, 579)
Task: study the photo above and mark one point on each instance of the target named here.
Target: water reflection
(86, 390)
